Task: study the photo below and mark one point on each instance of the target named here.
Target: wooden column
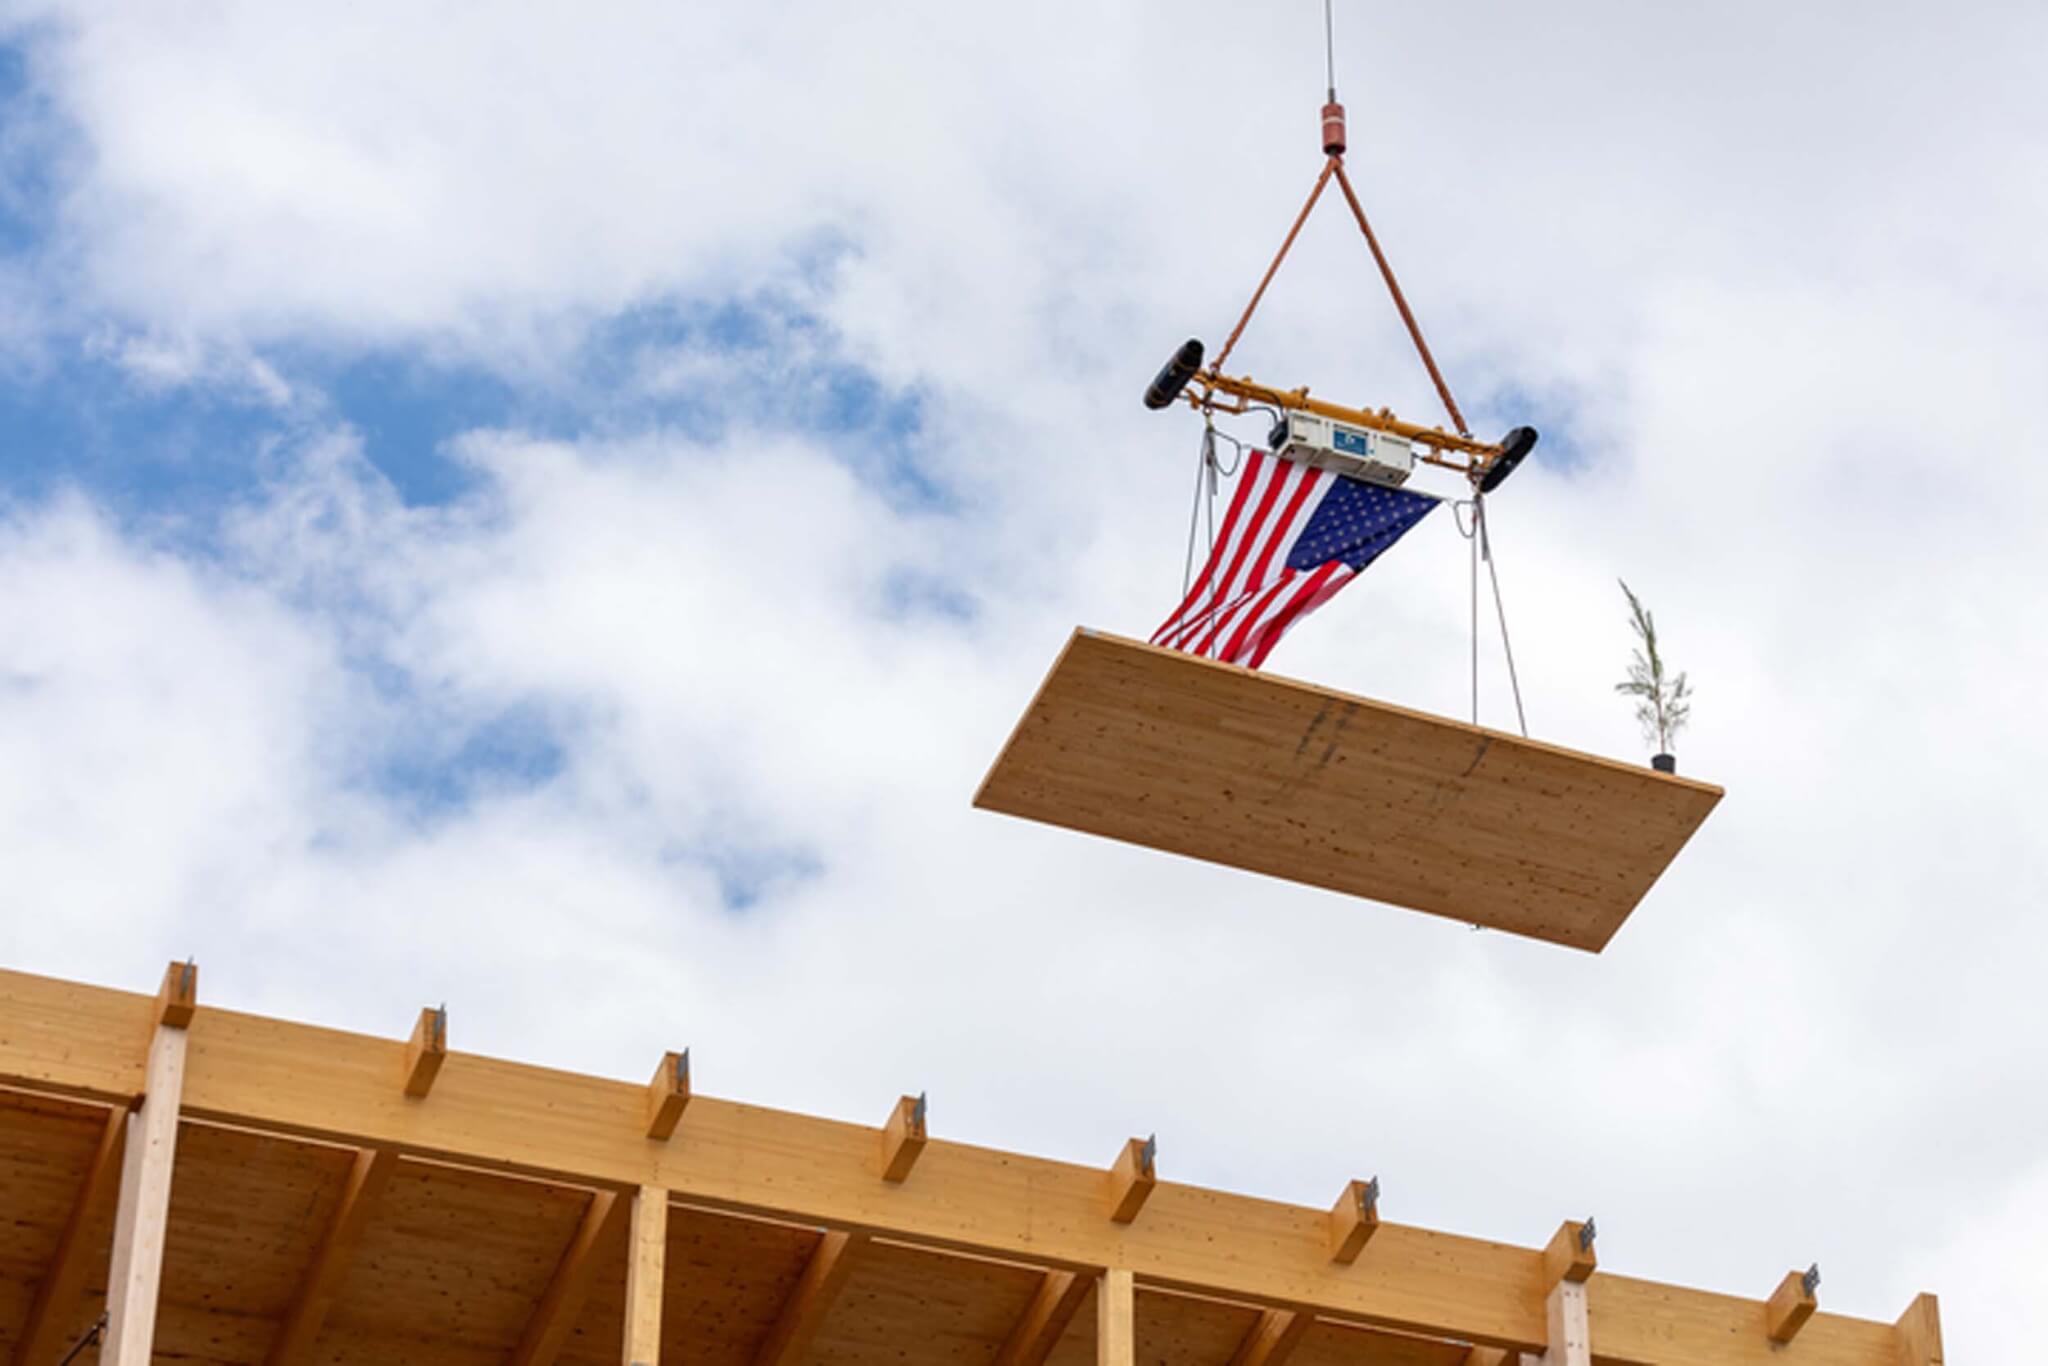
(646, 1252)
(1569, 1261)
(144, 1205)
(1571, 1334)
(1116, 1318)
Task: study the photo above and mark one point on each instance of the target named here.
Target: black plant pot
(1664, 763)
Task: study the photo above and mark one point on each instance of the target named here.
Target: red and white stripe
(1247, 597)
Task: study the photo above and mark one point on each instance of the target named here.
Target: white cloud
(1796, 378)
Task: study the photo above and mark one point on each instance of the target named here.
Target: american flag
(1294, 535)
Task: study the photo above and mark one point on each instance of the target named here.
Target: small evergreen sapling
(1663, 702)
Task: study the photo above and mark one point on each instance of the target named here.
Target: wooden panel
(449, 1266)
(554, 1318)
(728, 1279)
(1217, 762)
(247, 1213)
(1038, 1329)
(1183, 1330)
(47, 1149)
(369, 1173)
(903, 1303)
(1333, 1344)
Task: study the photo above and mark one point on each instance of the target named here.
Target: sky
(553, 509)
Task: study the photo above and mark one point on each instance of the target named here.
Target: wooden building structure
(228, 1188)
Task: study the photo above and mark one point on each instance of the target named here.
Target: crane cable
(1333, 164)
(1477, 533)
(1482, 549)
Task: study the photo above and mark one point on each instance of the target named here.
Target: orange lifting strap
(1333, 149)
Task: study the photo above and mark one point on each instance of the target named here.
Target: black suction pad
(1176, 373)
(1514, 448)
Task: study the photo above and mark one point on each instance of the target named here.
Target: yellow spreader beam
(1250, 391)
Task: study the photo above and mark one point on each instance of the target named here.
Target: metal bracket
(91, 1339)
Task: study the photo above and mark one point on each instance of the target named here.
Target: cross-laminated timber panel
(1161, 749)
(291, 1085)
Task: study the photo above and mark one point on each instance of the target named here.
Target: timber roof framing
(755, 1197)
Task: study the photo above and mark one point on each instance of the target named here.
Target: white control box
(1360, 452)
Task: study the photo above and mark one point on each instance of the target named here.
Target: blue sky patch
(518, 749)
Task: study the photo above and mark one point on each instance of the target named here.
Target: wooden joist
(424, 1051)
(668, 1095)
(1353, 1220)
(1570, 1255)
(1044, 1321)
(803, 1314)
(1492, 1356)
(1131, 1179)
(53, 1316)
(555, 1315)
(1216, 762)
(1792, 1304)
(278, 1077)
(903, 1137)
(368, 1175)
(1273, 1338)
